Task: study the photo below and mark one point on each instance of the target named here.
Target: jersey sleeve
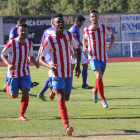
(13, 33)
(7, 49)
(108, 32)
(43, 37)
(31, 50)
(85, 34)
(45, 47)
(75, 44)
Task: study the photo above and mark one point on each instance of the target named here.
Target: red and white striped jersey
(59, 50)
(97, 41)
(18, 55)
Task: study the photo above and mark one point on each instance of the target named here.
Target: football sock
(23, 105)
(100, 87)
(95, 88)
(45, 86)
(84, 76)
(63, 113)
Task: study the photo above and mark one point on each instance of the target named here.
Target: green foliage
(134, 6)
(44, 7)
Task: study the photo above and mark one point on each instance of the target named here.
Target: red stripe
(87, 30)
(25, 59)
(70, 36)
(14, 58)
(54, 54)
(61, 56)
(99, 42)
(30, 45)
(104, 42)
(108, 28)
(94, 44)
(20, 58)
(67, 55)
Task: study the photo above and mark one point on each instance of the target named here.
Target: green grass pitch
(122, 92)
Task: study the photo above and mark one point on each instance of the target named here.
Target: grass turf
(121, 86)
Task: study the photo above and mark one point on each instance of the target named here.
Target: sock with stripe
(63, 113)
(45, 86)
(100, 87)
(84, 76)
(23, 105)
(95, 88)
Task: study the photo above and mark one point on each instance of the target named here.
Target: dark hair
(57, 15)
(94, 11)
(20, 20)
(22, 24)
(79, 18)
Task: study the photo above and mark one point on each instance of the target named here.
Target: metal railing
(125, 42)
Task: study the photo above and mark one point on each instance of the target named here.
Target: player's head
(94, 16)
(21, 20)
(79, 20)
(22, 30)
(58, 22)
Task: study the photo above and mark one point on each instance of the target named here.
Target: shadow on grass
(127, 133)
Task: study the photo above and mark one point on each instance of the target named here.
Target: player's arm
(39, 51)
(84, 44)
(8, 64)
(7, 49)
(31, 58)
(44, 51)
(76, 46)
(109, 45)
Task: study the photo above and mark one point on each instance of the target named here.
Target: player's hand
(77, 72)
(11, 67)
(84, 50)
(109, 45)
(37, 65)
(54, 67)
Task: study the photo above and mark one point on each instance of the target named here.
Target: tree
(88, 5)
(111, 6)
(134, 6)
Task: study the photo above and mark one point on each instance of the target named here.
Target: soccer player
(74, 29)
(47, 59)
(95, 35)
(19, 50)
(13, 34)
(58, 45)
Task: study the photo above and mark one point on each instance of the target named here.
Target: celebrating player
(95, 35)
(19, 50)
(74, 29)
(57, 45)
(13, 34)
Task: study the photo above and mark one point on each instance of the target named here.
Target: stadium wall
(125, 27)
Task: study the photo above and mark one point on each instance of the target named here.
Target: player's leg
(25, 82)
(12, 87)
(68, 87)
(58, 84)
(6, 80)
(84, 72)
(96, 67)
(52, 93)
(45, 87)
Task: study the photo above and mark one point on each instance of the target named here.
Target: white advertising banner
(112, 21)
(130, 31)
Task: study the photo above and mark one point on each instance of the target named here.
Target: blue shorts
(97, 64)
(16, 83)
(59, 83)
